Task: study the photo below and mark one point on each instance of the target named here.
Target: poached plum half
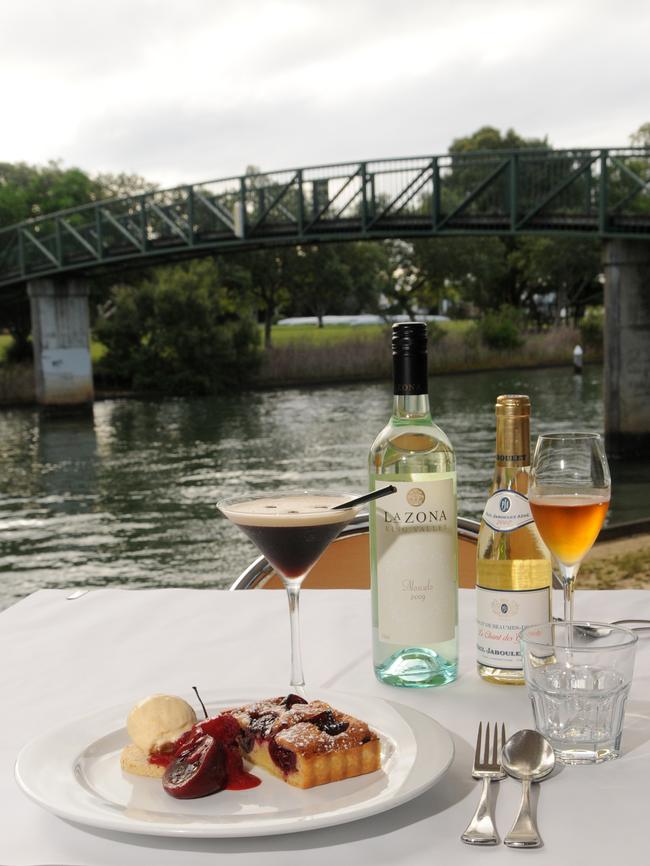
(207, 759)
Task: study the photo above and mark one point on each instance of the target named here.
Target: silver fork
(481, 829)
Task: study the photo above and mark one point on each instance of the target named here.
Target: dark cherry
(326, 722)
(246, 741)
(223, 728)
(197, 770)
(282, 758)
(261, 725)
(292, 699)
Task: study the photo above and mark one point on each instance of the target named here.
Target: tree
(477, 270)
(320, 281)
(490, 138)
(629, 178)
(15, 318)
(122, 185)
(468, 173)
(267, 281)
(28, 191)
(641, 138)
(567, 267)
(368, 264)
(179, 332)
(482, 271)
(493, 272)
(406, 290)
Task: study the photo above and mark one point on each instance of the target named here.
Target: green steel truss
(597, 192)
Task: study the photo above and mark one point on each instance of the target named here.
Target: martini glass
(291, 530)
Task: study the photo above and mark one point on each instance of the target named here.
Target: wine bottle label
(416, 549)
(507, 510)
(500, 617)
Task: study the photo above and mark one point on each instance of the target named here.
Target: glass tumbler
(578, 677)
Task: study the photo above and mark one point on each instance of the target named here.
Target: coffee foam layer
(300, 510)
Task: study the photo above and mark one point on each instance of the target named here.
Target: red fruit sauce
(225, 729)
(238, 778)
(161, 759)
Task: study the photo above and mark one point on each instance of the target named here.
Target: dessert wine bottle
(513, 567)
(413, 536)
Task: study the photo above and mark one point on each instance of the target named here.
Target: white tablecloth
(62, 659)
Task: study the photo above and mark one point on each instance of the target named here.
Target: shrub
(501, 329)
(591, 327)
(435, 333)
(178, 333)
(19, 352)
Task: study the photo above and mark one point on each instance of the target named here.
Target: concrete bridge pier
(61, 337)
(627, 348)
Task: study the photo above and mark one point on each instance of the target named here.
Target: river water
(126, 497)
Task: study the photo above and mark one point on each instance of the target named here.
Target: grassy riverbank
(303, 355)
(620, 564)
(312, 335)
(308, 355)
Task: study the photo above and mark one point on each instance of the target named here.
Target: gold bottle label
(513, 574)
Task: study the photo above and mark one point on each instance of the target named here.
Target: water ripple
(127, 497)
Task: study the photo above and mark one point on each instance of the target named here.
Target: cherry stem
(196, 692)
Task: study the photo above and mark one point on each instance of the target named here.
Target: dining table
(65, 656)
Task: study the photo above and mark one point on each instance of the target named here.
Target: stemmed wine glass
(569, 495)
(291, 530)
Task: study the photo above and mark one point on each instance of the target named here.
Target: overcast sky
(187, 90)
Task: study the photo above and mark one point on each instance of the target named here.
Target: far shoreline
(102, 394)
(433, 374)
(335, 356)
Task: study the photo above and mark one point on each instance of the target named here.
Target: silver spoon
(527, 756)
(602, 630)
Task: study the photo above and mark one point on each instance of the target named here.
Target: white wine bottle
(413, 536)
(513, 567)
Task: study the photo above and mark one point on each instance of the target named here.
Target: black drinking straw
(367, 497)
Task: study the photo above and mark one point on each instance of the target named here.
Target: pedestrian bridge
(602, 193)
(594, 192)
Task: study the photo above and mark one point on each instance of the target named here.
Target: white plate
(75, 773)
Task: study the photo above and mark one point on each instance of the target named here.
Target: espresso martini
(291, 531)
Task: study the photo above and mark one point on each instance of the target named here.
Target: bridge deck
(597, 192)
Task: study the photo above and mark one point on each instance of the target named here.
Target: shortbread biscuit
(133, 760)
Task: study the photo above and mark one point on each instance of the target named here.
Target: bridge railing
(603, 192)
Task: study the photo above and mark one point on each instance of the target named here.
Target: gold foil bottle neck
(513, 430)
(512, 405)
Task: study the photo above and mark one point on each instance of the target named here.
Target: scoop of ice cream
(157, 720)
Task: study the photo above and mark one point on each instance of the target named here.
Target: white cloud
(181, 91)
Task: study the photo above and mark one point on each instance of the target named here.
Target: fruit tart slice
(306, 744)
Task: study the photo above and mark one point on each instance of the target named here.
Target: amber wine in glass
(569, 497)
